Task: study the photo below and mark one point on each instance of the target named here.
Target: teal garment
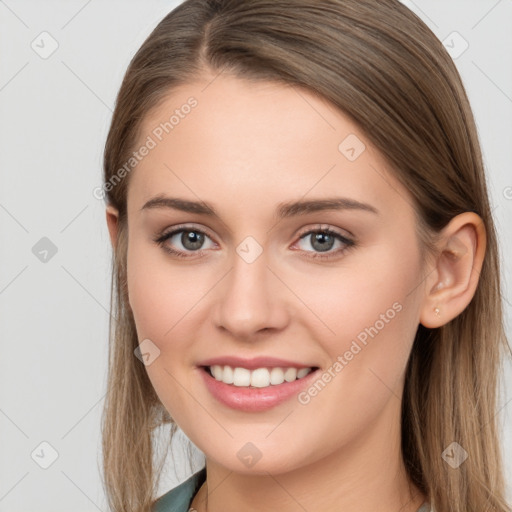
(179, 498)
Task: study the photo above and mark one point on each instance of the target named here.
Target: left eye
(324, 240)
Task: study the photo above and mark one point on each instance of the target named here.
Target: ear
(112, 215)
(452, 283)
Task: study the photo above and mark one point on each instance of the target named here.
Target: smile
(257, 389)
(256, 378)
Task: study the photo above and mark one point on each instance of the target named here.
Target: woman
(306, 275)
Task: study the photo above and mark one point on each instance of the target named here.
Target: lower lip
(255, 399)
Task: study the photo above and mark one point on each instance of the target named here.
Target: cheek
(160, 299)
(368, 355)
(368, 312)
(159, 296)
(165, 301)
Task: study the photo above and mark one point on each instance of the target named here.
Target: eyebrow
(284, 210)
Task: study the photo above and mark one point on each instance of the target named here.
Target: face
(263, 273)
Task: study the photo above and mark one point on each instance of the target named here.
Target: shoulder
(179, 498)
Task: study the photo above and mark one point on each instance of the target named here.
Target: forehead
(232, 141)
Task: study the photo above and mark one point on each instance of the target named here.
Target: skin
(245, 148)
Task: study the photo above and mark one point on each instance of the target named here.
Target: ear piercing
(437, 311)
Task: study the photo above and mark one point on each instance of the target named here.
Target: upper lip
(253, 363)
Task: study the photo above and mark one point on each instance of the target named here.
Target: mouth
(256, 389)
(263, 377)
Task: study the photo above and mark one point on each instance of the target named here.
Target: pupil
(192, 240)
(321, 237)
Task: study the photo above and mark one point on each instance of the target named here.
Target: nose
(251, 299)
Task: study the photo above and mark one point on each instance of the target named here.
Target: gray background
(54, 114)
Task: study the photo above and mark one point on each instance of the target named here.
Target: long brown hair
(382, 66)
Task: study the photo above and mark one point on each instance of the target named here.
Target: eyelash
(164, 236)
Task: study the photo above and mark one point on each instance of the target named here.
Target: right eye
(190, 238)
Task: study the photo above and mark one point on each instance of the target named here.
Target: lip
(253, 363)
(255, 399)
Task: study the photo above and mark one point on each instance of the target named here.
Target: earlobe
(454, 279)
(112, 215)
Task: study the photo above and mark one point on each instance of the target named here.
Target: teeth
(258, 378)
(290, 374)
(227, 375)
(241, 377)
(276, 376)
(302, 372)
(217, 372)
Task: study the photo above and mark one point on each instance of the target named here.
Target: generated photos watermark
(157, 135)
(357, 345)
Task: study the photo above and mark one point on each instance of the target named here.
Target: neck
(365, 475)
